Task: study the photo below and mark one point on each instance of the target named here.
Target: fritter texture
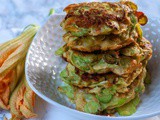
(97, 18)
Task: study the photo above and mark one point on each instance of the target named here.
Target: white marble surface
(16, 14)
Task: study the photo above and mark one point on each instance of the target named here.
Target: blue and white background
(16, 14)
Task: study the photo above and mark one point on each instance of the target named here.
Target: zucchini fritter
(101, 42)
(107, 56)
(76, 77)
(98, 99)
(98, 18)
(121, 62)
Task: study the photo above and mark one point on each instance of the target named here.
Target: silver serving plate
(43, 68)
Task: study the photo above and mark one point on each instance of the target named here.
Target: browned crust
(133, 65)
(97, 48)
(97, 14)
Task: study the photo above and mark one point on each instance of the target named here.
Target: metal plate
(43, 68)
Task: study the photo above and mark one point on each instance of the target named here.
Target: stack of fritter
(107, 56)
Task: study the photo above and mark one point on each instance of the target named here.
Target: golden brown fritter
(100, 42)
(73, 76)
(100, 98)
(120, 62)
(96, 18)
(107, 56)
